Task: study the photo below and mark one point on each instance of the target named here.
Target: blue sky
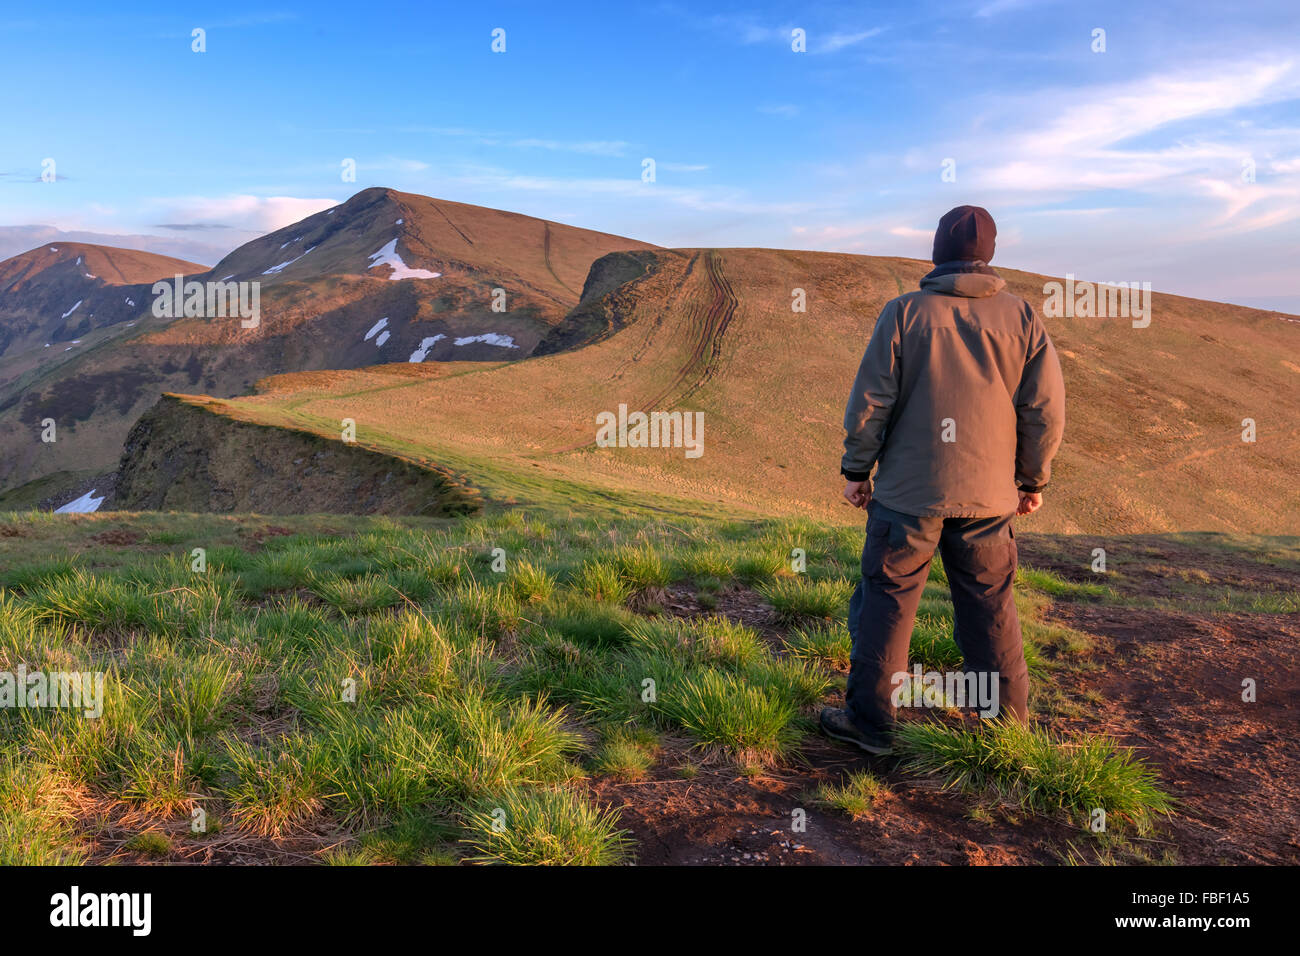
(1118, 165)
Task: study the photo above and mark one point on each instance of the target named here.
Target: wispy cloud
(840, 41)
(590, 147)
(1067, 143)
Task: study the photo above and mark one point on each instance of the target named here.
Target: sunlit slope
(1153, 442)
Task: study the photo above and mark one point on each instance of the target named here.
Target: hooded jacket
(959, 401)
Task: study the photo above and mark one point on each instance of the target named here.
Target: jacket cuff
(855, 475)
(1032, 489)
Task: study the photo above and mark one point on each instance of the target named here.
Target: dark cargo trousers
(979, 557)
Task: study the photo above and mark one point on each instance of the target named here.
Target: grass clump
(602, 581)
(798, 600)
(626, 754)
(530, 583)
(1037, 770)
(720, 710)
(1057, 586)
(544, 827)
(856, 797)
(827, 644)
(149, 843)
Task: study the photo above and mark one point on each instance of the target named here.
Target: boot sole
(879, 751)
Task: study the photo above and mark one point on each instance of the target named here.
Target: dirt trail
(706, 345)
(706, 324)
(546, 255)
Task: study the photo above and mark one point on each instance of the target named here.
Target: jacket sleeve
(1040, 411)
(872, 400)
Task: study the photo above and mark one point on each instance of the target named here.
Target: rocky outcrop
(599, 313)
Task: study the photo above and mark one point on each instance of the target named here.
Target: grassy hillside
(1153, 439)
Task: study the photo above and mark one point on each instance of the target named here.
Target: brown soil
(117, 537)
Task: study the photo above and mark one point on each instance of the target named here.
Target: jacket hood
(971, 279)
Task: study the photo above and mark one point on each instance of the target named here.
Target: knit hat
(965, 233)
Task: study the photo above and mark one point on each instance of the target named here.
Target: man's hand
(858, 493)
(1029, 503)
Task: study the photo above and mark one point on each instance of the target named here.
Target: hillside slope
(59, 292)
(383, 277)
(179, 458)
(53, 296)
(1153, 441)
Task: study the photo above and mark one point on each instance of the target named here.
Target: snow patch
(422, 352)
(73, 309)
(398, 223)
(387, 256)
(376, 327)
(130, 302)
(383, 337)
(232, 275)
(89, 276)
(488, 338)
(83, 505)
(282, 265)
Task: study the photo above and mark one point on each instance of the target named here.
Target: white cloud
(839, 41)
(241, 213)
(1061, 144)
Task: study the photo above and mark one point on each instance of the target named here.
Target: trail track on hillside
(705, 325)
(546, 255)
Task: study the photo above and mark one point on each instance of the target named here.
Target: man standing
(960, 406)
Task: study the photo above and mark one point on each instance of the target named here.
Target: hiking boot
(836, 723)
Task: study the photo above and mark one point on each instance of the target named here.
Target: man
(960, 406)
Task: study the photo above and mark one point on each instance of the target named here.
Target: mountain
(1154, 436)
(54, 294)
(382, 277)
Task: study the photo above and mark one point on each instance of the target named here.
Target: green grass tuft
(1038, 770)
